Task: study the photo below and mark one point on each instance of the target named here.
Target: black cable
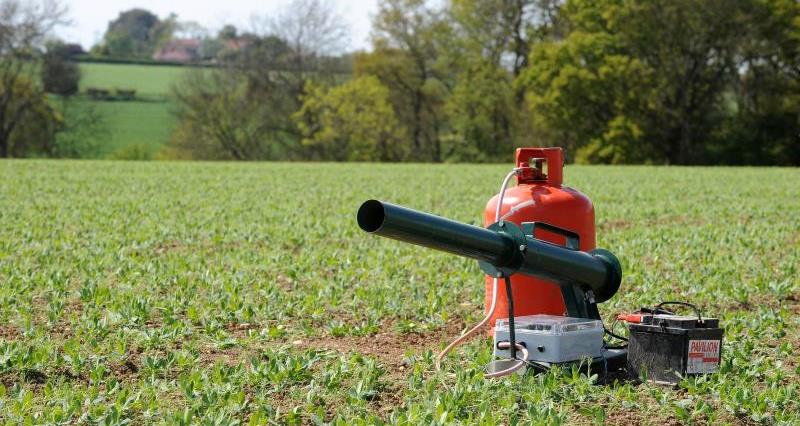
(594, 312)
(688, 305)
(614, 335)
(656, 311)
(535, 365)
(605, 371)
(511, 332)
(616, 347)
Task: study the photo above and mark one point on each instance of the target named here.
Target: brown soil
(182, 247)
(285, 282)
(229, 356)
(9, 332)
(388, 347)
(629, 417)
(241, 327)
(792, 302)
(615, 224)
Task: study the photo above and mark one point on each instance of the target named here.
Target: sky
(90, 17)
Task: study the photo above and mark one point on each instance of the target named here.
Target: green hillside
(146, 122)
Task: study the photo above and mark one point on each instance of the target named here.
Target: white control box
(552, 338)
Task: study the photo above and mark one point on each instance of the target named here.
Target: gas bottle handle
(573, 239)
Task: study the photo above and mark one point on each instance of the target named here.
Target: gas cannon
(538, 245)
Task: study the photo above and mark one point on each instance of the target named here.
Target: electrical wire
(493, 304)
(522, 361)
(517, 208)
(686, 304)
(511, 330)
(605, 370)
(607, 346)
(614, 335)
(535, 365)
(654, 311)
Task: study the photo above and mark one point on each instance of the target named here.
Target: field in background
(143, 124)
(146, 122)
(148, 80)
(178, 292)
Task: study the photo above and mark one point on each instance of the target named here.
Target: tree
(764, 127)
(503, 31)
(586, 97)
(59, 75)
(228, 32)
(81, 129)
(407, 58)
(483, 113)
(137, 33)
(491, 49)
(243, 109)
(26, 120)
(32, 130)
(353, 121)
(313, 30)
(240, 111)
(647, 80)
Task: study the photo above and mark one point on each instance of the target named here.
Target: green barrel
(501, 248)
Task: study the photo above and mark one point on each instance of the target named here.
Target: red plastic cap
(554, 157)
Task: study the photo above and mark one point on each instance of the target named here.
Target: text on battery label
(703, 356)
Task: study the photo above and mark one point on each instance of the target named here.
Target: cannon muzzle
(501, 249)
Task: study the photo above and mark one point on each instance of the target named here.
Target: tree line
(612, 81)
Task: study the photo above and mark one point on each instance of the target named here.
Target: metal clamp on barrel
(513, 233)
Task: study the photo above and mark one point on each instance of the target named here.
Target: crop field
(220, 293)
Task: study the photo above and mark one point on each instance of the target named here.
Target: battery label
(703, 356)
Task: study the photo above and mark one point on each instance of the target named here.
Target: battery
(664, 348)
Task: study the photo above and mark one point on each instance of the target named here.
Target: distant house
(236, 44)
(183, 50)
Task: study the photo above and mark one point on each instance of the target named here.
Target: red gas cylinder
(539, 197)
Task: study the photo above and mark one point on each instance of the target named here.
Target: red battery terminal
(634, 318)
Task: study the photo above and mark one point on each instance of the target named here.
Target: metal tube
(412, 226)
(557, 263)
(508, 249)
(598, 270)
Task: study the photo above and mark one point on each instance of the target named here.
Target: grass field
(148, 80)
(217, 293)
(146, 122)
